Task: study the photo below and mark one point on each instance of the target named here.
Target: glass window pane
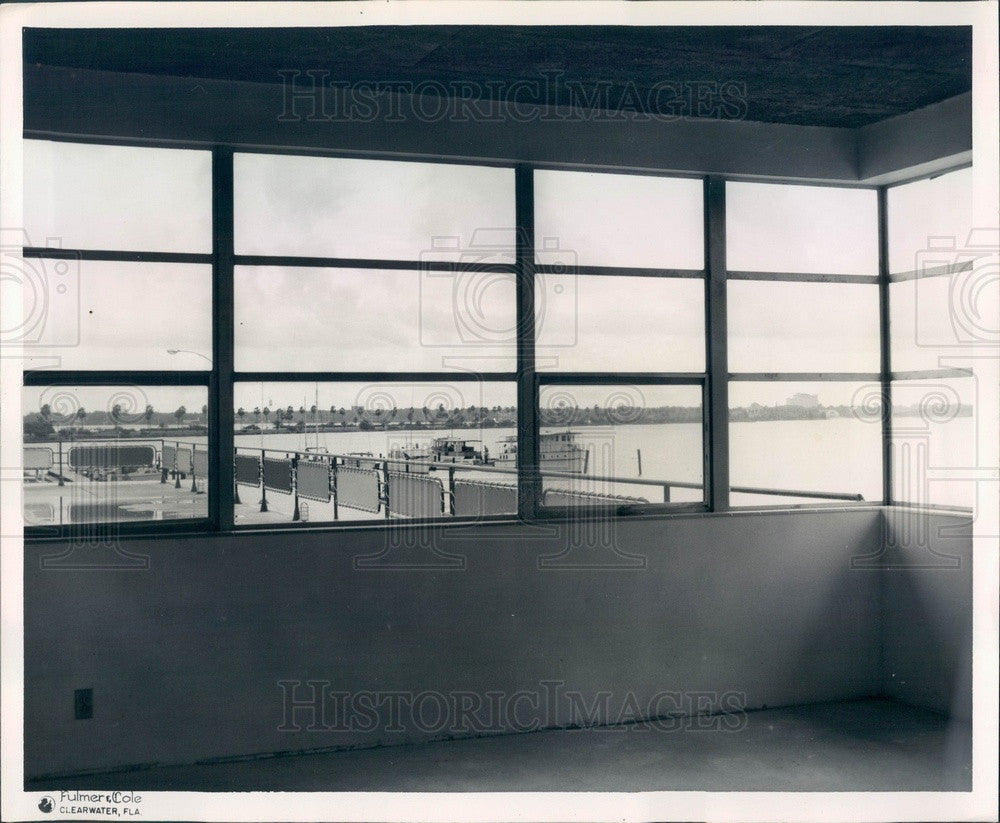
(99, 315)
(809, 229)
(928, 218)
(114, 454)
(86, 196)
(795, 327)
(335, 207)
(804, 437)
(598, 323)
(928, 321)
(303, 319)
(327, 447)
(934, 441)
(620, 444)
(618, 220)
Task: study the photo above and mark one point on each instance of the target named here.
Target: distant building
(806, 401)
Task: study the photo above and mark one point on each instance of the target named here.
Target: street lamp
(188, 351)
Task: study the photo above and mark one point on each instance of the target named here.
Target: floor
(864, 745)
(141, 498)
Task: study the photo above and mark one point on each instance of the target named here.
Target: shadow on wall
(927, 610)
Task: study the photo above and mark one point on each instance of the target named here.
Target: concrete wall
(927, 602)
(185, 657)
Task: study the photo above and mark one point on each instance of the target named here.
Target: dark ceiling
(826, 76)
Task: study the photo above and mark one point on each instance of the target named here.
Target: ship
(459, 450)
(557, 451)
(417, 458)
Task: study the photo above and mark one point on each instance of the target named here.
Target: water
(839, 455)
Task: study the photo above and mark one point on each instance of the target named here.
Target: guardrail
(115, 458)
(389, 486)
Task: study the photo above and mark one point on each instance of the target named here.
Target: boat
(316, 454)
(352, 460)
(417, 458)
(459, 450)
(557, 451)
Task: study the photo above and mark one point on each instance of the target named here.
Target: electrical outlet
(83, 704)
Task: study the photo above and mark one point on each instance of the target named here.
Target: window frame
(877, 278)
(714, 381)
(889, 376)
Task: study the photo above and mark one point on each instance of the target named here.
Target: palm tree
(81, 417)
(179, 414)
(148, 414)
(267, 414)
(241, 413)
(45, 411)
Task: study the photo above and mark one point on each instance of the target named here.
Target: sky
(129, 316)
(816, 229)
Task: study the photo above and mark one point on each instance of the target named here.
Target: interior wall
(927, 610)
(185, 657)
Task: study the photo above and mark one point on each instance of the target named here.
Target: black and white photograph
(452, 411)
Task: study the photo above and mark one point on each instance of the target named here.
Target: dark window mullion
(53, 377)
(365, 377)
(115, 256)
(221, 442)
(621, 378)
(314, 262)
(529, 485)
(805, 377)
(716, 341)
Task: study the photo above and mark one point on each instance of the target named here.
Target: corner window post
(885, 364)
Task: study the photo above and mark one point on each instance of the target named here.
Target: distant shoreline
(170, 434)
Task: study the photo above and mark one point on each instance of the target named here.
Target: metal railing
(399, 486)
(382, 467)
(104, 458)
